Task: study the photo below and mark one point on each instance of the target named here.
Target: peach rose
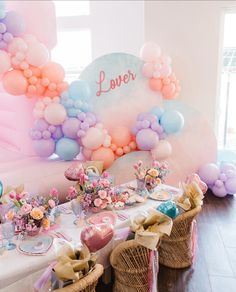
(97, 202)
(46, 223)
(36, 213)
(102, 194)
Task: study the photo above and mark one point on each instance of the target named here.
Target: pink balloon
(93, 138)
(39, 18)
(162, 151)
(37, 54)
(150, 52)
(165, 71)
(5, 62)
(87, 153)
(14, 82)
(148, 70)
(55, 114)
(97, 236)
(155, 84)
(209, 173)
(17, 45)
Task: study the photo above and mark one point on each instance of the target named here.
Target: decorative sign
(119, 90)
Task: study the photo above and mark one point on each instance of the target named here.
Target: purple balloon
(134, 131)
(145, 124)
(230, 174)
(81, 133)
(147, 139)
(224, 167)
(209, 173)
(40, 125)
(44, 148)
(70, 128)
(36, 135)
(58, 133)
(139, 125)
(219, 192)
(91, 116)
(81, 116)
(7, 37)
(223, 177)
(141, 116)
(46, 134)
(15, 23)
(52, 129)
(230, 186)
(218, 183)
(84, 126)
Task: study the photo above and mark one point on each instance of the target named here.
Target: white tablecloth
(18, 272)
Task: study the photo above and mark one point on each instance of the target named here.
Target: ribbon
(73, 264)
(192, 196)
(152, 271)
(150, 227)
(41, 284)
(194, 240)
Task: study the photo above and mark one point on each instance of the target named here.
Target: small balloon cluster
(25, 68)
(157, 67)
(220, 179)
(152, 128)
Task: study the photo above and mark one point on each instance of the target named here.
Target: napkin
(150, 227)
(192, 196)
(73, 264)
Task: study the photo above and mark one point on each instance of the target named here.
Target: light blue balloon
(2, 10)
(172, 121)
(157, 111)
(1, 189)
(79, 89)
(73, 112)
(67, 149)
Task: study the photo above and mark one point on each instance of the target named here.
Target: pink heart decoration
(96, 237)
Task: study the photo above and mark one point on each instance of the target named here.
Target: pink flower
(140, 162)
(12, 195)
(105, 183)
(26, 209)
(135, 166)
(53, 192)
(18, 197)
(94, 183)
(42, 208)
(72, 193)
(97, 202)
(103, 205)
(156, 163)
(102, 194)
(108, 199)
(105, 174)
(51, 203)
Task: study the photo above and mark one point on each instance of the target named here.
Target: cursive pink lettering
(114, 83)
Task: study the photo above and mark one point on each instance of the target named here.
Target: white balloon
(162, 151)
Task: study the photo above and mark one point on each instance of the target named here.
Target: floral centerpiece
(94, 194)
(150, 177)
(31, 213)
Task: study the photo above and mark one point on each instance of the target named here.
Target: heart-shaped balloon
(96, 237)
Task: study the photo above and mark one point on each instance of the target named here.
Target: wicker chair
(130, 262)
(86, 284)
(175, 251)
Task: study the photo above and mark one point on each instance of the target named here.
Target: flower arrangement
(31, 212)
(95, 194)
(151, 176)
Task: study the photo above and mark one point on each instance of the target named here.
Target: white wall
(190, 31)
(117, 26)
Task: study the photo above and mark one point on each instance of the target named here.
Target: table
(19, 272)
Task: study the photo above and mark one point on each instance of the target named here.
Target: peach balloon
(55, 114)
(37, 54)
(105, 155)
(155, 84)
(120, 136)
(87, 153)
(15, 83)
(54, 72)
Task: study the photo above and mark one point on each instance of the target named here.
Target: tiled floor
(215, 266)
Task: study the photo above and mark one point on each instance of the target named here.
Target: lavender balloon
(219, 191)
(70, 128)
(40, 125)
(44, 148)
(15, 23)
(224, 167)
(209, 173)
(58, 134)
(230, 186)
(147, 139)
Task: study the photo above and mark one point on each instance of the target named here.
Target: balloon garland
(64, 124)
